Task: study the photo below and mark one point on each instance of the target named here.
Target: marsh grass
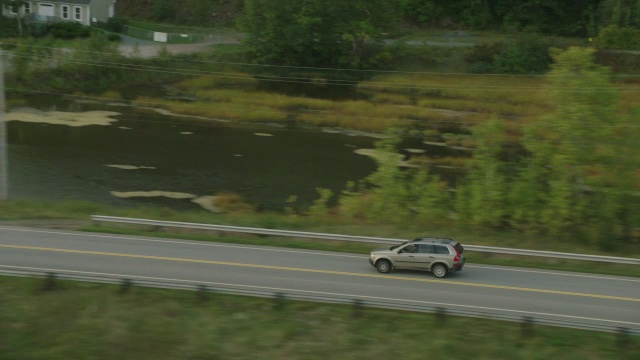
(396, 100)
(257, 106)
(225, 79)
(84, 320)
(508, 95)
(419, 100)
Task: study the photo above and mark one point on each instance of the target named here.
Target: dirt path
(147, 49)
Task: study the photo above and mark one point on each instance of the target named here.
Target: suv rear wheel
(383, 266)
(439, 270)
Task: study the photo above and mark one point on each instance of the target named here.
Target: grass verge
(89, 321)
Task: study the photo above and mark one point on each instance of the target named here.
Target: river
(117, 155)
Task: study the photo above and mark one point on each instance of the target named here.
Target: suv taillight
(457, 257)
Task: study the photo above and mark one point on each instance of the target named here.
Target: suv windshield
(399, 245)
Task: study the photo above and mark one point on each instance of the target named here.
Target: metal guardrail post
(49, 282)
(358, 307)
(527, 326)
(279, 301)
(622, 337)
(125, 286)
(441, 315)
(202, 294)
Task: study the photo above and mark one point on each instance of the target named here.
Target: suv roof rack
(443, 240)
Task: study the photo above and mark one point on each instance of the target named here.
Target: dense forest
(550, 17)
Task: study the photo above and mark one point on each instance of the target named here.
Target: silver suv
(440, 256)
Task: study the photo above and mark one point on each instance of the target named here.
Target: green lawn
(96, 321)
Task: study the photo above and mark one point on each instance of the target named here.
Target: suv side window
(440, 249)
(409, 249)
(425, 249)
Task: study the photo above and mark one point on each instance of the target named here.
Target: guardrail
(363, 239)
(527, 321)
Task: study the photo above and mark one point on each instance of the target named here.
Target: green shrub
(114, 37)
(115, 24)
(37, 29)
(8, 28)
(529, 54)
(616, 37)
(69, 30)
(619, 61)
(481, 58)
(164, 10)
(232, 203)
(422, 12)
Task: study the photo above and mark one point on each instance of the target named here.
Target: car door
(404, 258)
(424, 257)
(441, 253)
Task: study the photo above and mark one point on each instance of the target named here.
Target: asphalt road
(605, 300)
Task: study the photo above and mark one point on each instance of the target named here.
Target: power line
(360, 84)
(293, 67)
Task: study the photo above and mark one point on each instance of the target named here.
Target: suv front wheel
(439, 270)
(383, 266)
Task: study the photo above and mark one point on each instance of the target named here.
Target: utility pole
(4, 144)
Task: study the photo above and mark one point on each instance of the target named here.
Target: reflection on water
(143, 153)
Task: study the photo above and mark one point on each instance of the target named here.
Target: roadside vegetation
(71, 320)
(526, 168)
(539, 124)
(546, 119)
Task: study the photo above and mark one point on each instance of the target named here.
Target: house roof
(74, 2)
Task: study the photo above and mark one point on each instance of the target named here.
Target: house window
(65, 11)
(77, 13)
(27, 8)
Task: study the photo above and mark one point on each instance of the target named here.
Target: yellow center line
(272, 267)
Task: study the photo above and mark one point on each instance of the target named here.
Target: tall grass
(411, 101)
(399, 100)
(86, 321)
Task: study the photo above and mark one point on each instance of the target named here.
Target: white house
(86, 12)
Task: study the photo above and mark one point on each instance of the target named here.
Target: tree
(619, 12)
(17, 6)
(164, 10)
(320, 33)
(482, 198)
(577, 175)
(395, 192)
